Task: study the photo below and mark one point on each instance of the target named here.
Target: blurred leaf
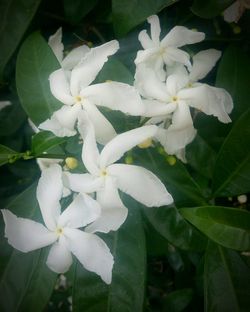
(126, 292)
(16, 16)
(233, 75)
(178, 300)
(129, 13)
(5, 154)
(210, 8)
(228, 227)
(11, 119)
(77, 9)
(35, 62)
(45, 140)
(232, 169)
(226, 278)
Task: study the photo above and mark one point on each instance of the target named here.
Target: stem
(55, 156)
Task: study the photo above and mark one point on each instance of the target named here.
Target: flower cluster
(167, 84)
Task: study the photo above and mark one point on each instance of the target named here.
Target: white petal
(175, 83)
(90, 153)
(24, 234)
(116, 96)
(48, 193)
(82, 211)
(44, 163)
(92, 252)
(59, 258)
(122, 143)
(86, 71)
(145, 40)
(104, 130)
(59, 87)
(147, 55)
(55, 42)
(141, 184)
(180, 36)
(3, 104)
(232, 13)
(113, 212)
(155, 28)
(82, 183)
(74, 57)
(156, 108)
(203, 62)
(149, 84)
(172, 55)
(62, 122)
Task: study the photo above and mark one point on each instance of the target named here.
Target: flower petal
(59, 87)
(62, 122)
(203, 62)
(141, 184)
(92, 252)
(173, 55)
(147, 55)
(122, 143)
(175, 83)
(86, 71)
(55, 42)
(116, 96)
(59, 258)
(3, 104)
(82, 183)
(104, 130)
(156, 108)
(145, 40)
(24, 234)
(180, 36)
(155, 28)
(74, 57)
(113, 212)
(233, 12)
(49, 192)
(82, 211)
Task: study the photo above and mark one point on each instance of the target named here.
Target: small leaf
(210, 8)
(35, 62)
(6, 154)
(77, 9)
(232, 169)
(226, 279)
(16, 16)
(129, 13)
(228, 227)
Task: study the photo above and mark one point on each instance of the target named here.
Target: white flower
(167, 50)
(74, 91)
(106, 177)
(234, 12)
(61, 229)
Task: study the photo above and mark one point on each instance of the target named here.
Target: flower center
(103, 173)
(59, 231)
(78, 99)
(174, 99)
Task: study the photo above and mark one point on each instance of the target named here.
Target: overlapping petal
(82, 183)
(74, 57)
(55, 42)
(155, 28)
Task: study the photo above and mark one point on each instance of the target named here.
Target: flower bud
(71, 162)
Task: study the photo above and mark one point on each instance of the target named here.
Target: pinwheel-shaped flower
(62, 229)
(158, 52)
(73, 89)
(105, 177)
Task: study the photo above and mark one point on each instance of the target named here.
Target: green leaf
(126, 292)
(232, 169)
(6, 154)
(233, 75)
(45, 140)
(26, 282)
(35, 62)
(77, 9)
(226, 280)
(16, 16)
(178, 300)
(210, 8)
(129, 13)
(228, 227)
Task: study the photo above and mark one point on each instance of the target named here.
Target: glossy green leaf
(126, 292)
(233, 76)
(35, 62)
(226, 280)
(232, 169)
(6, 154)
(16, 16)
(228, 227)
(77, 9)
(178, 300)
(210, 8)
(45, 140)
(129, 13)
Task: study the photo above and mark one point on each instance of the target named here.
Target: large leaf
(178, 300)
(228, 227)
(126, 292)
(130, 13)
(77, 9)
(15, 18)
(6, 154)
(232, 169)
(26, 282)
(210, 8)
(226, 281)
(35, 62)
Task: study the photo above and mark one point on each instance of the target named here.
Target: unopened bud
(145, 144)
(171, 160)
(71, 162)
(242, 199)
(236, 29)
(129, 160)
